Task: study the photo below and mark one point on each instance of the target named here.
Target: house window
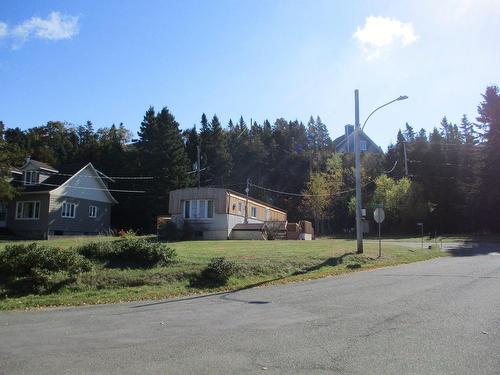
(93, 211)
(198, 209)
(68, 210)
(240, 208)
(362, 146)
(30, 178)
(29, 210)
(254, 211)
(266, 210)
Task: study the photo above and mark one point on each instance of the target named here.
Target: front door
(3, 215)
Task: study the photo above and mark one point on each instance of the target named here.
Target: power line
(306, 195)
(86, 188)
(109, 177)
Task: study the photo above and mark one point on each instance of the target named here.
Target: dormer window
(31, 178)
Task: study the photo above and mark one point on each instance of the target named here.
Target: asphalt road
(435, 317)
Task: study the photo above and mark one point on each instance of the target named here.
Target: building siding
(233, 209)
(177, 196)
(226, 211)
(32, 229)
(82, 223)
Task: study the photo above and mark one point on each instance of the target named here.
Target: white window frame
(32, 179)
(93, 212)
(36, 210)
(253, 211)
(267, 213)
(64, 210)
(194, 205)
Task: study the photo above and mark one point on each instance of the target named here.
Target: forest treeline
(449, 178)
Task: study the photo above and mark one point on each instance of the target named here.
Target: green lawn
(260, 262)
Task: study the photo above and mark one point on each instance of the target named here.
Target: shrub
(169, 231)
(37, 262)
(129, 234)
(129, 252)
(143, 253)
(187, 232)
(219, 270)
(101, 251)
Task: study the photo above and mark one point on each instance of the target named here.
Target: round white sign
(379, 215)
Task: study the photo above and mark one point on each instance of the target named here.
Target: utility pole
(357, 131)
(247, 190)
(406, 158)
(359, 228)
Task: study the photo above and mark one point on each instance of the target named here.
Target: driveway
(435, 317)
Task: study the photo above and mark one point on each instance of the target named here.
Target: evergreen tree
(163, 155)
(489, 120)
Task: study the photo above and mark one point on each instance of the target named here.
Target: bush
(219, 270)
(129, 252)
(143, 253)
(37, 262)
(128, 234)
(187, 232)
(169, 231)
(101, 251)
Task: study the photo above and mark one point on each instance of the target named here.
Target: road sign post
(421, 225)
(379, 216)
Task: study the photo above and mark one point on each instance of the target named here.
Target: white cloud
(3, 30)
(56, 26)
(383, 33)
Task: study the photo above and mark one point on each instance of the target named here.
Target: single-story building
(70, 200)
(214, 212)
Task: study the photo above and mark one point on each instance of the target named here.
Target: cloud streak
(380, 34)
(56, 26)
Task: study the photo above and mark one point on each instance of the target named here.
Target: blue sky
(109, 61)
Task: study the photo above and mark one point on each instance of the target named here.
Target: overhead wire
(85, 188)
(307, 195)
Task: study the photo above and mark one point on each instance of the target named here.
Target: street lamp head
(402, 97)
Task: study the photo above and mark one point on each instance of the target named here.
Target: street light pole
(359, 228)
(357, 133)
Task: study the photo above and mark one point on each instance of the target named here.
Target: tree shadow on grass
(26, 286)
(332, 262)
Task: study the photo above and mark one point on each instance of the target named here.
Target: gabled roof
(63, 176)
(39, 164)
(342, 140)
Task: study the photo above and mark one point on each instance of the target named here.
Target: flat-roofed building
(214, 212)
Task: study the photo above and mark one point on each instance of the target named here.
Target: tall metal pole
(247, 190)
(379, 242)
(359, 228)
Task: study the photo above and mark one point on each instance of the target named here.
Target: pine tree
(163, 155)
(489, 119)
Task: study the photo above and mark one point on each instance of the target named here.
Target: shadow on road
(224, 295)
(227, 295)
